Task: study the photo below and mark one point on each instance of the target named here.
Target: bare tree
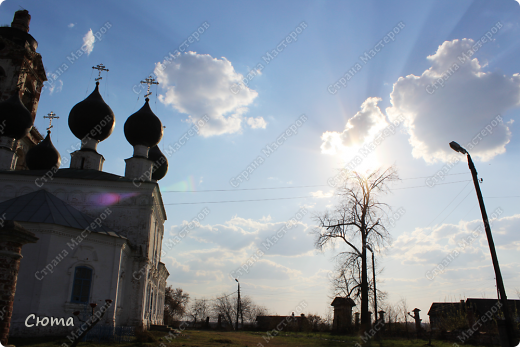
(175, 304)
(358, 220)
(226, 307)
(392, 314)
(199, 310)
(252, 310)
(403, 308)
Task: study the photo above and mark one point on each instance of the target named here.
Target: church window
(81, 286)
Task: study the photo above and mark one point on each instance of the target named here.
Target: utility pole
(238, 305)
(507, 331)
(374, 280)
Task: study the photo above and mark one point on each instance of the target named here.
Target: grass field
(192, 338)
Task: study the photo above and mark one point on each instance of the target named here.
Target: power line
(236, 190)
(284, 187)
(438, 184)
(220, 297)
(455, 207)
(294, 197)
(448, 205)
(227, 201)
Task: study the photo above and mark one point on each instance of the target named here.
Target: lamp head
(457, 148)
(236, 280)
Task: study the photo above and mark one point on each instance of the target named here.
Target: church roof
(43, 207)
(82, 174)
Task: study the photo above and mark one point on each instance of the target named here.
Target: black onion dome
(160, 163)
(143, 127)
(43, 156)
(92, 117)
(15, 119)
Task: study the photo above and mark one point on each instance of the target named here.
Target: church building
(99, 234)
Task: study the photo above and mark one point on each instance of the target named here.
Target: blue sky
(410, 78)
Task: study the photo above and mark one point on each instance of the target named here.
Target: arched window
(81, 286)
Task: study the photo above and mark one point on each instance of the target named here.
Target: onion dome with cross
(44, 156)
(144, 128)
(160, 163)
(15, 119)
(92, 118)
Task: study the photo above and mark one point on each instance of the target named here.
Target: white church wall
(134, 211)
(46, 276)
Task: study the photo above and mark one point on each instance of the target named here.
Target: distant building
(455, 315)
(281, 323)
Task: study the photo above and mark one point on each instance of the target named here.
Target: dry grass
(196, 338)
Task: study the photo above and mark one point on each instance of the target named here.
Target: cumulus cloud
(238, 234)
(320, 194)
(199, 85)
(362, 127)
(455, 100)
(456, 246)
(71, 25)
(88, 42)
(256, 123)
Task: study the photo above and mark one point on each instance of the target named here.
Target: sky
(286, 93)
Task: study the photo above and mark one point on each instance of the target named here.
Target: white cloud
(266, 218)
(238, 234)
(256, 123)
(88, 42)
(57, 86)
(470, 99)
(71, 25)
(320, 194)
(199, 85)
(456, 246)
(362, 127)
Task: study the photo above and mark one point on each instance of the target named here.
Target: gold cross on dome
(51, 116)
(150, 80)
(99, 67)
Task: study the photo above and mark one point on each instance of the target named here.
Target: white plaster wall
(132, 211)
(48, 294)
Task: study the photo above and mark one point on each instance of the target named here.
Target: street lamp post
(509, 338)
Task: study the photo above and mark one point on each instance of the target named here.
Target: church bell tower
(22, 72)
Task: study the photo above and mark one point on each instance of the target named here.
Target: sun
(359, 158)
